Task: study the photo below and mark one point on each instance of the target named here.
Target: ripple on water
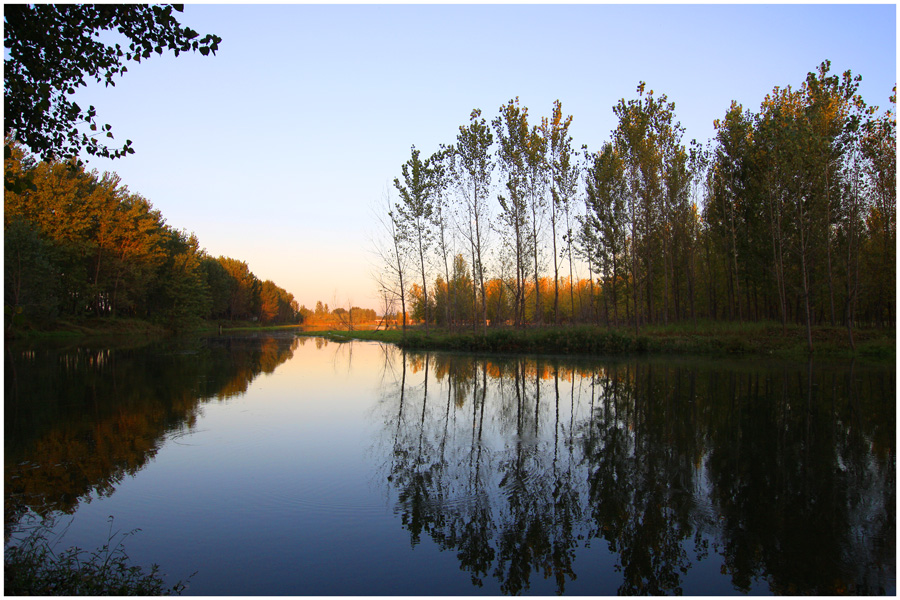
(323, 499)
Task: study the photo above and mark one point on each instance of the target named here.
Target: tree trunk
(555, 267)
(805, 278)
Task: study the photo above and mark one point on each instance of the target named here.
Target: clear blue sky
(276, 150)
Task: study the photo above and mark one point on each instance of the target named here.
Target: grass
(707, 338)
(90, 327)
(243, 326)
(94, 327)
(33, 567)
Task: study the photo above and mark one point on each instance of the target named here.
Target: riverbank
(95, 327)
(707, 338)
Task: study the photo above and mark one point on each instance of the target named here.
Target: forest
(787, 215)
(78, 243)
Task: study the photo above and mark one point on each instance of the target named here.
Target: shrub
(33, 568)
(616, 343)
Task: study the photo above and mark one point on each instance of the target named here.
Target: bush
(33, 568)
(616, 343)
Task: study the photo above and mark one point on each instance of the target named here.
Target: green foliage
(416, 213)
(276, 304)
(29, 274)
(53, 48)
(243, 289)
(79, 244)
(706, 338)
(33, 567)
(218, 281)
(787, 214)
(181, 295)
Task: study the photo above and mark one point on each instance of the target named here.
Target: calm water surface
(273, 465)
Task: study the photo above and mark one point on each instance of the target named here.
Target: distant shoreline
(708, 338)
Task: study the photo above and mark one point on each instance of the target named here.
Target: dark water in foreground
(272, 465)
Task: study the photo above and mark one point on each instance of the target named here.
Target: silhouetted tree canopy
(54, 48)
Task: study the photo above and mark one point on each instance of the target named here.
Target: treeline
(77, 243)
(324, 318)
(788, 214)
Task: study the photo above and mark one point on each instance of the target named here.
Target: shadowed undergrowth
(710, 338)
(35, 567)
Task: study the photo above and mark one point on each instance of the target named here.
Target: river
(269, 464)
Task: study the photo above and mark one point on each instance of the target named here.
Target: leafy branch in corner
(53, 49)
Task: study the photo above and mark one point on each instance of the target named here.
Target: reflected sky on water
(272, 464)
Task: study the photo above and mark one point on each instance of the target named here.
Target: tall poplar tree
(440, 163)
(512, 135)
(473, 167)
(535, 154)
(606, 190)
(393, 257)
(879, 148)
(416, 213)
(563, 168)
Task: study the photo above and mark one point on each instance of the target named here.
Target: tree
(472, 169)
(80, 243)
(345, 316)
(512, 134)
(879, 148)
(29, 273)
(605, 220)
(416, 212)
(535, 153)
(52, 50)
(563, 186)
(830, 101)
(218, 282)
(646, 138)
(243, 297)
(441, 165)
(731, 168)
(392, 258)
(180, 296)
(697, 164)
(587, 244)
(276, 304)
(771, 168)
(461, 288)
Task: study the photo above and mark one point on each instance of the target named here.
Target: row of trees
(801, 206)
(788, 214)
(80, 243)
(573, 304)
(324, 318)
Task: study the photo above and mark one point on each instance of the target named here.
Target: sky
(278, 150)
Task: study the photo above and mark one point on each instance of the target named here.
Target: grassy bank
(94, 327)
(86, 328)
(708, 338)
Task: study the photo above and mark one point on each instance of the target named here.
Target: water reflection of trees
(80, 419)
(784, 477)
